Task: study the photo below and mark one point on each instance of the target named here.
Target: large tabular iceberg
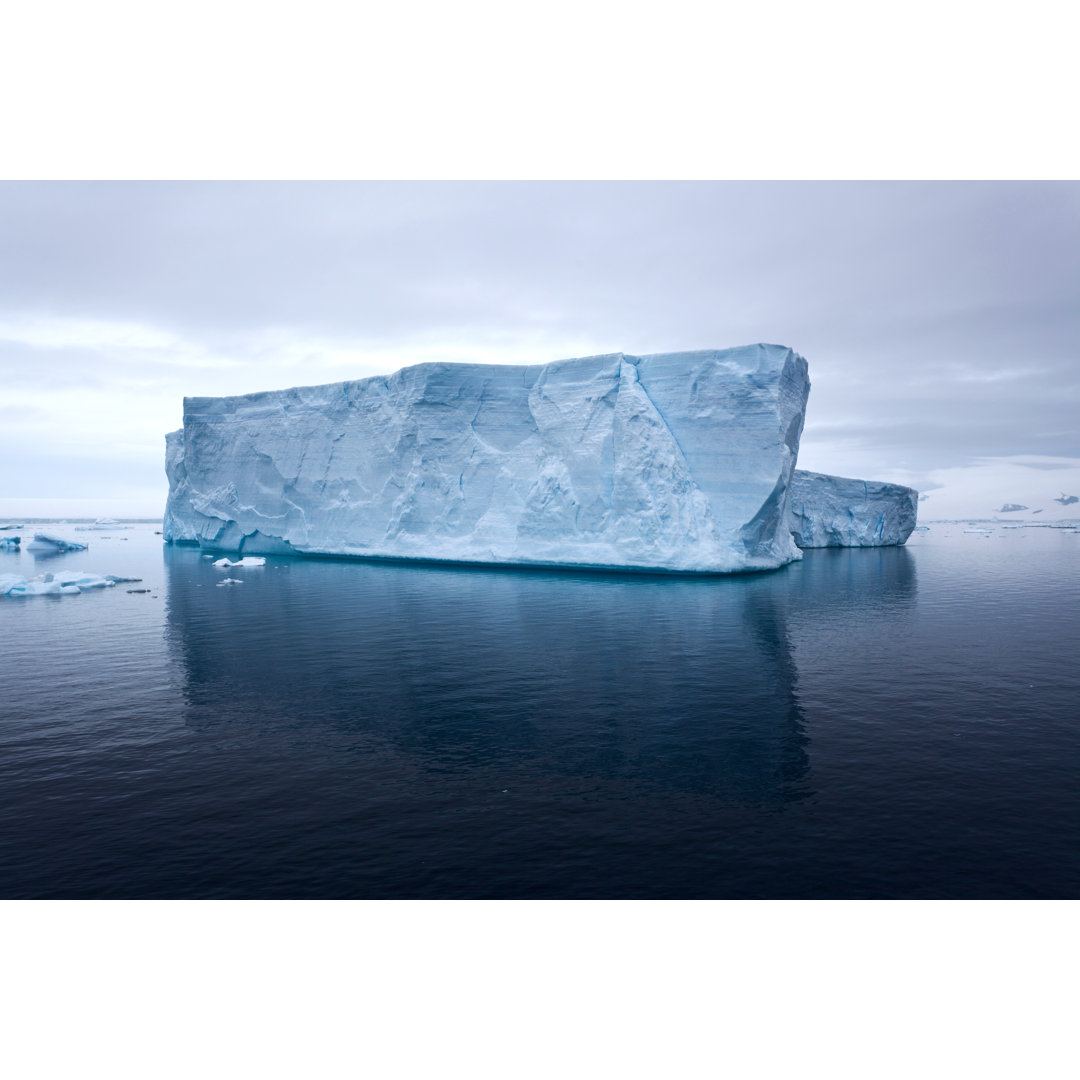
(679, 462)
(833, 511)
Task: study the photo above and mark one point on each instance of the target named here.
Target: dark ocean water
(898, 722)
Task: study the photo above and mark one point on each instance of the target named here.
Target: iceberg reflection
(653, 682)
(629, 684)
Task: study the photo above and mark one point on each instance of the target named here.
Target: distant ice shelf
(679, 462)
(103, 525)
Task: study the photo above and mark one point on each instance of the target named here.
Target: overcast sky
(941, 322)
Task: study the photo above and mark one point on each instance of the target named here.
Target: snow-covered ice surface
(679, 462)
(833, 511)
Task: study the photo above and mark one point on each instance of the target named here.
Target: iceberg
(677, 462)
(834, 511)
(50, 544)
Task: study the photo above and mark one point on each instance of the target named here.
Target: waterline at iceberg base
(677, 462)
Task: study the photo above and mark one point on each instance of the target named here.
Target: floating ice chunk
(9, 543)
(49, 542)
(66, 582)
(81, 578)
(230, 581)
(43, 588)
(10, 582)
(247, 560)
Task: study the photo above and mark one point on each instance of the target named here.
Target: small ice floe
(979, 532)
(67, 583)
(248, 560)
(50, 543)
(229, 581)
(8, 528)
(9, 543)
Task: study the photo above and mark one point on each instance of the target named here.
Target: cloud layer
(940, 321)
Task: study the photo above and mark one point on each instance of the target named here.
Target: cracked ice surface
(677, 461)
(833, 511)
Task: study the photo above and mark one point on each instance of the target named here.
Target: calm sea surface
(894, 722)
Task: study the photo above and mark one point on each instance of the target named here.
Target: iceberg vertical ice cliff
(677, 461)
(833, 511)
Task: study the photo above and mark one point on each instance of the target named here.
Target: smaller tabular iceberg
(834, 511)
